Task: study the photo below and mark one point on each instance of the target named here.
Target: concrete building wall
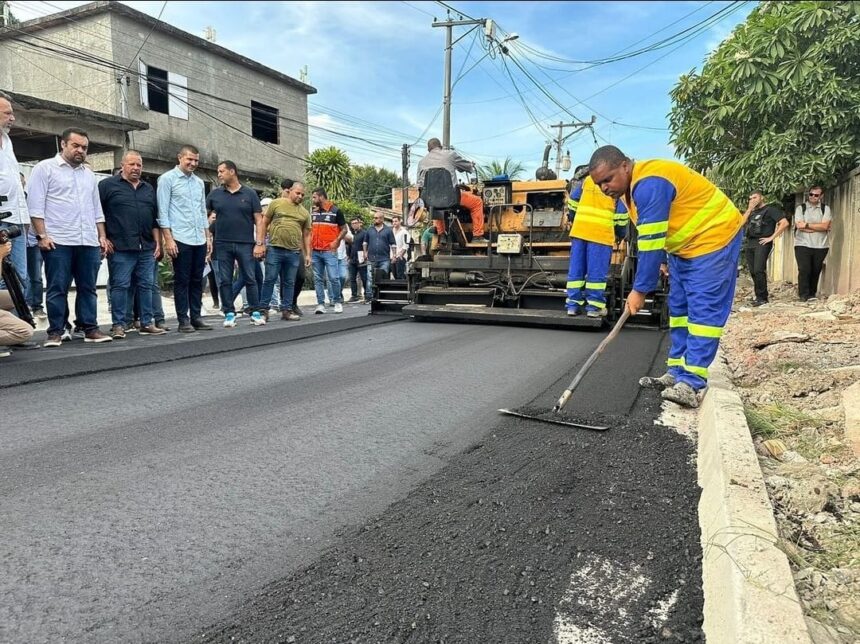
(235, 86)
(842, 267)
(55, 77)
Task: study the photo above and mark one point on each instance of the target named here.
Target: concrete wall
(842, 268)
(223, 78)
(57, 78)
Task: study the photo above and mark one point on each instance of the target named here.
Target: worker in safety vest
(598, 221)
(677, 210)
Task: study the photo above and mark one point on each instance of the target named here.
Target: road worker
(678, 211)
(598, 223)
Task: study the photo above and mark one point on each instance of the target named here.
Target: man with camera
(764, 224)
(12, 330)
(13, 205)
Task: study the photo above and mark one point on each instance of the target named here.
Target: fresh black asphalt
(355, 484)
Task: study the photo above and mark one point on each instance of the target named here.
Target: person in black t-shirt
(763, 224)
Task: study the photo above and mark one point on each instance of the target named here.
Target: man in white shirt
(66, 213)
(401, 236)
(812, 220)
(12, 198)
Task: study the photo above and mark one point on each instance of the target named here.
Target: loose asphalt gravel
(357, 486)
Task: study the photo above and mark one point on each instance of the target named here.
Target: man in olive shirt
(289, 228)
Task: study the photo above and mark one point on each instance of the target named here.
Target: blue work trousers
(587, 274)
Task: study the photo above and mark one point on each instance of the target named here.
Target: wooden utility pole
(404, 206)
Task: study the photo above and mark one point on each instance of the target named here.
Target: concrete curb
(749, 591)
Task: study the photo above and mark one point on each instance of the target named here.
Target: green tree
(776, 104)
(351, 209)
(372, 186)
(514, 169)
(329, 168)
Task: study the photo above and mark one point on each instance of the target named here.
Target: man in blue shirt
(379, 247)
(182, 218)
(131, 211)
(239, 239)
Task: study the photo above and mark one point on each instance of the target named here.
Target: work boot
(479, 240)
(596, 313)
(660, 383)
(682, 394)
(573, 312)
(117, 332)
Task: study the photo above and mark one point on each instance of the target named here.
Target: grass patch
(784, 422)
(841, 544)
(789, 365)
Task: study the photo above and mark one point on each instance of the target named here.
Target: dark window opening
(156, 80)
(264, 122)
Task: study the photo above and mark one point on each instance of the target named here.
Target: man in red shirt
(328, 228)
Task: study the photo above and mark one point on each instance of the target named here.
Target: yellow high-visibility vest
(701, 218)
(595, 217)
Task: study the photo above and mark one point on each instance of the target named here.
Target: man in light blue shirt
(185, 229)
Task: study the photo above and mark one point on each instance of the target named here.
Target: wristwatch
(40, 237)
(259, 243)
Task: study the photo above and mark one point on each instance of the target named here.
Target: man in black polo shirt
(133, 242)
(239, 239)
(764, 223)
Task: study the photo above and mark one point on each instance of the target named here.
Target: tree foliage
(776, 105)
(514, 169)
(372, 186)
(351, 209)
(329, 168)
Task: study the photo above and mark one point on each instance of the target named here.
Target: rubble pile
(792, 363)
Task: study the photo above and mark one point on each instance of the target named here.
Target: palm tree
(514, 169)
(329, 168)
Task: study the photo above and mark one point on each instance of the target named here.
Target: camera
(11, 231)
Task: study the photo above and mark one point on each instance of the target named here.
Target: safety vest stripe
(652, 244)
(653, 228)
(573, 204)
(718, 209)
(699, 371)
(595, 286)
(573, 301)
(576, 284)
(677, 321)
(606, 213)
(705, 330)
(620, 219)
(596, 304)
(675, 362)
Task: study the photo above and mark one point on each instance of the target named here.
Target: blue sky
(378, 69)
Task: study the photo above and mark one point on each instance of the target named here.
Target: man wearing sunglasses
(812, 221)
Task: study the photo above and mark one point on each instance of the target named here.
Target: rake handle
(591, 359)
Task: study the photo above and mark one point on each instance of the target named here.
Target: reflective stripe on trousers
(586, 276)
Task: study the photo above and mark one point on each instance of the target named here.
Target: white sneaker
(229, 320)
(338, 307)
(320, 309)
(257, 319)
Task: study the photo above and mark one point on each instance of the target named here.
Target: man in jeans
(764, 224)
(328, 229)
(357, 264)
(811, 227)
(289, 228)
(66, 214)
(131, 222)
(379, 247)
(239, 239)
(185, 232)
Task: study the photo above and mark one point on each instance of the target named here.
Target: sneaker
(257, 319)
(596, 313)
(151, 329)
(574, 312)
(320, 309)
(229, 320)
(479, 240)
(117, 332)
(200, 325)
(289, 315)
(40, 314)
(79, 332)
(160, 324)
(67, 335)
(54, 341)
(353, 300)
(329, 304)
(136, 325)
(759, 302)
(663, 382)
(682, 394)
(5, 353)
(185, 327)
(297, 310)
(97, 336)
(338, 307)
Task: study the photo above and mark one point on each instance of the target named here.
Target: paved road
(146, 504)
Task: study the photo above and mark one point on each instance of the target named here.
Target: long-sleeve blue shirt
(653, 197)
(182, 206)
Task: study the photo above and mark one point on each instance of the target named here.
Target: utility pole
(560, 139)
(404, 199)
(449, 45)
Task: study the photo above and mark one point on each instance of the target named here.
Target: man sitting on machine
(438, 157)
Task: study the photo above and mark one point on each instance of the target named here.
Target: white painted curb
(749, 591)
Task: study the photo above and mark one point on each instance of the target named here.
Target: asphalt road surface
(356, 486)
